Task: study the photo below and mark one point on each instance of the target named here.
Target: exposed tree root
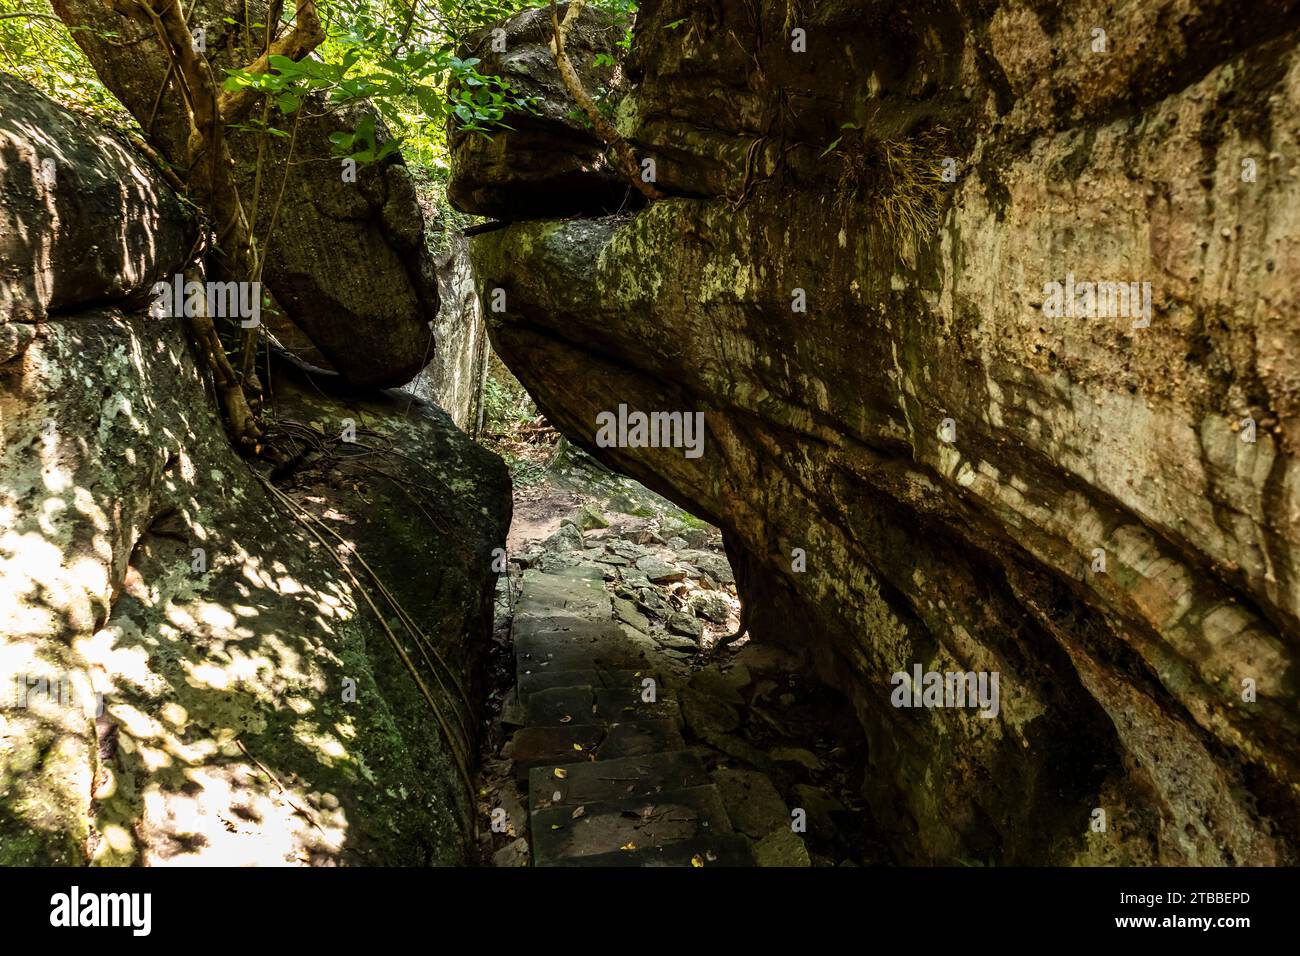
(310, 522)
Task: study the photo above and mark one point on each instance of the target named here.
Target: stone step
(616, 779)
(578, 589)
(577, 643)
(548, 677)
(722, 849)
(542, 606)
(553, 746)
(578, 627)
(573, 575)
(617, 704)
(638, 738)
(557, 706)
(651, 823)
(570, 743)
(622, 764)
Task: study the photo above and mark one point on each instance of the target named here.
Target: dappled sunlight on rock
(233, 687)
(330, 748)
(233, 646)
(234, 816)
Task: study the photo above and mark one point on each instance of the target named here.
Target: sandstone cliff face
(254, 707)
(952, 459)
(454, 379)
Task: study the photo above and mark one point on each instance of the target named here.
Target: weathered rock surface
(550, 163)
(82, 216)
(254, 707)
(346, 261)
(219, 674)
(1122, 690)
(454, 379)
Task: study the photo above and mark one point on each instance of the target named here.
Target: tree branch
(612, 138)
(306, 35)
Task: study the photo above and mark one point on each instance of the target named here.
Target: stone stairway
(610, 780)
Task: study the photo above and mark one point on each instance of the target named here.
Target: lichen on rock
(947, 457)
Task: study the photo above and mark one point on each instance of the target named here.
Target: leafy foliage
(507, 404)
(401, 57)
(36, 47)
(403, 61)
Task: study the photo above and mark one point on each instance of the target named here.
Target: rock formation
(80, 215)
(549, 163)
(194, 669)
(454, 379)
(345, 258)
(915, 458)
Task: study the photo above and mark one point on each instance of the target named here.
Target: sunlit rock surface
(254, 710)
(455, 378)
(952, 462)
(82, 215)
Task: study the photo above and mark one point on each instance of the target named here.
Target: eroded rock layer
(549, 162)
(1102, 511)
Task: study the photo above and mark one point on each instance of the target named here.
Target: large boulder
(346, 261)
(206, 664)
(82, 216)
(255, 708)
(549, 162)
(914, 462)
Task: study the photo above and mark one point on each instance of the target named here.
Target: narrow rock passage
(610, 781)
(621, 733)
